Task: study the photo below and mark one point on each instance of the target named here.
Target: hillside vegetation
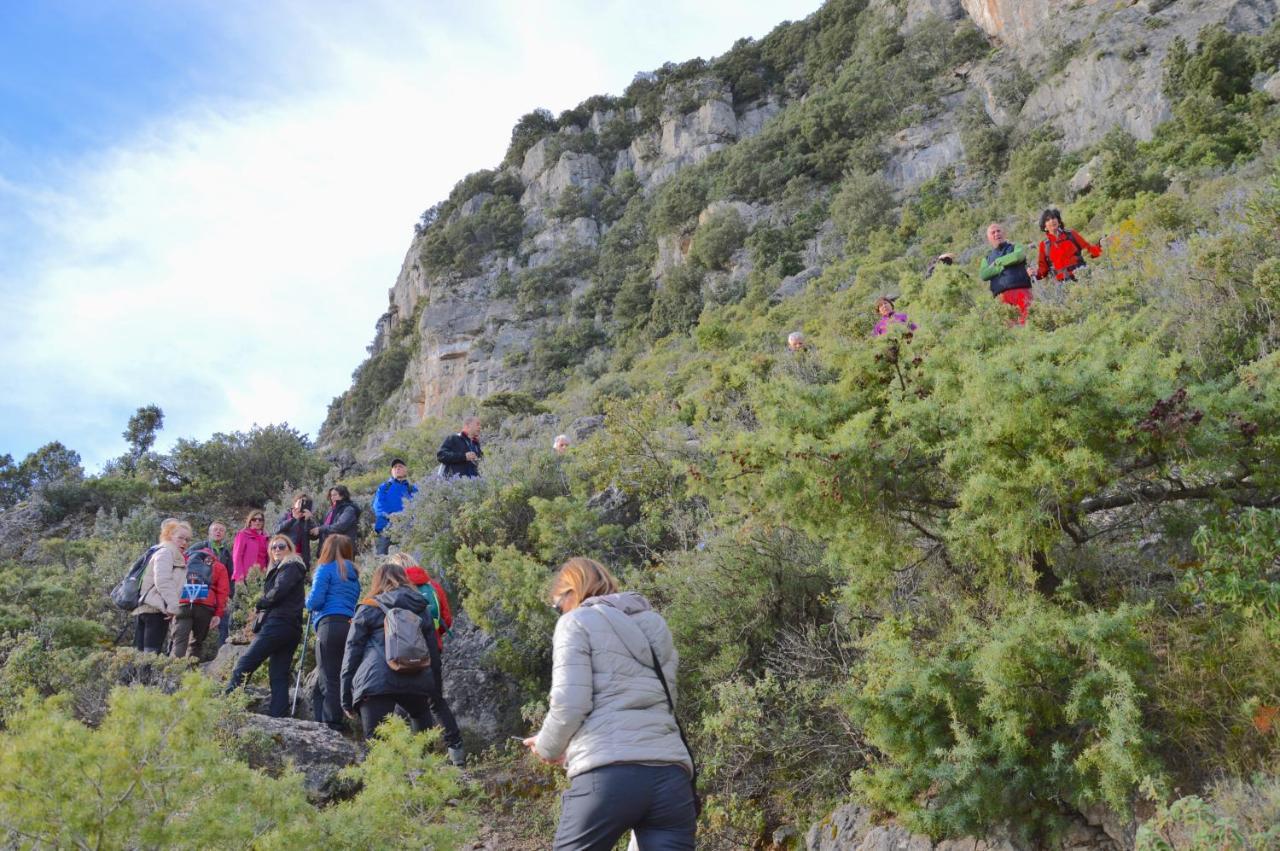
(975, 576)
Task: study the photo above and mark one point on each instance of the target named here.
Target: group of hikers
(1006, 269)
(610, 720)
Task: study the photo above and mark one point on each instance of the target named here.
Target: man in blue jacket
(460, 453)
(390, 499)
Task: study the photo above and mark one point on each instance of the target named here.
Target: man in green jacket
(1005, 269)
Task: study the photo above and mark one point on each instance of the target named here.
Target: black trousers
(419, 707)
(273, 644)
(150, 632)
(331, 643)
(655, 801)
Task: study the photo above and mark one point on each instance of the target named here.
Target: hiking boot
(457, 756)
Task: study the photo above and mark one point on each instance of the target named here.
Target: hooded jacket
(425, 584)
(250, 549)
(607, 703)
(342, 519)
(364, 665)
(284, 591)
(162, 581)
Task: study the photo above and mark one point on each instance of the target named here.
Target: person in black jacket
(460, 453)
(297, 525)
(277, 624)
(343, 517)
(370, 686)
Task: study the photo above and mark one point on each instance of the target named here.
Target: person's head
(471, 427)
(255, 520)
(580, 579)
(884, 306)
(338, 493)
(302, 501)
(1051, 221)
(399, 470)
(401, 558)
(217, 531)
(560, 444)
(995, 234)
(388, 577)
(176, 532)
(337, 548)
(281, 547)
(795, 341)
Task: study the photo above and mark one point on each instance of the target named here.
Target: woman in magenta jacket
(249, 549)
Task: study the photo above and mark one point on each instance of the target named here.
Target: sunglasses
(257, 520)
(279, 547)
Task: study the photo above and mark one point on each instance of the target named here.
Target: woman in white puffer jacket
(609, 720)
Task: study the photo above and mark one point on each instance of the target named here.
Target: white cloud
(228, 262)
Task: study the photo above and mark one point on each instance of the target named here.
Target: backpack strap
(671, 704)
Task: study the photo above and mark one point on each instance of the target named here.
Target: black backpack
(128, 594)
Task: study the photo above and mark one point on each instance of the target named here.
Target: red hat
(416, 575)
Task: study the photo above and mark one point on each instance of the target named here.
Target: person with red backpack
(203, 604)
(1062, 250)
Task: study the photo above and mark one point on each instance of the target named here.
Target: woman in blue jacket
(332, 603)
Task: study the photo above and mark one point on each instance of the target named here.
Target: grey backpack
(405, 644)
(128, 594)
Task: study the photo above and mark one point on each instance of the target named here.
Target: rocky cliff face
(1084, 67)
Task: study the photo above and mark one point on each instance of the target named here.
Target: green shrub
(1004, 721)
(717, 238)
(863, 203)
(1234, 815)
(678, 301)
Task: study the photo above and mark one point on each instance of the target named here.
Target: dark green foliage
(677, 302)
(373, 381)
(1220, 67)
(557, 351)
(986, 144)
(140, 433)
(717, 238)
(1006, 720)
(531, 127)
(680, 199)
(862, 203)
(245, 468)
(459, 243)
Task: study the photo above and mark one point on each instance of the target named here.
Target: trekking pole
(302, 658)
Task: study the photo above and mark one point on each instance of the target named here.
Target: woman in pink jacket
(249, 549)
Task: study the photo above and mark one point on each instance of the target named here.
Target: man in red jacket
(1062, 250)
(203, 604)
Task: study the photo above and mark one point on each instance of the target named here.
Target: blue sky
(203, 204)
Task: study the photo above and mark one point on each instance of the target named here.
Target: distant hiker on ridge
(1062, 249)
(389, 499)
(460, 453)
(1005, 269)
(884, 307)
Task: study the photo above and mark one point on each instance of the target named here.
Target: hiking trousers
(190, 628)
(331, 643)
(419, 707)
(150, 631)
(656, 801)
(274, 644)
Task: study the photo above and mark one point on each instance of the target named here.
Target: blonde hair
(583, 578)
(172, 526)
(401, 559)
(290, 548)
(252, 515)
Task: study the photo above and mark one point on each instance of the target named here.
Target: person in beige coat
(610, 722)
(161, 587)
